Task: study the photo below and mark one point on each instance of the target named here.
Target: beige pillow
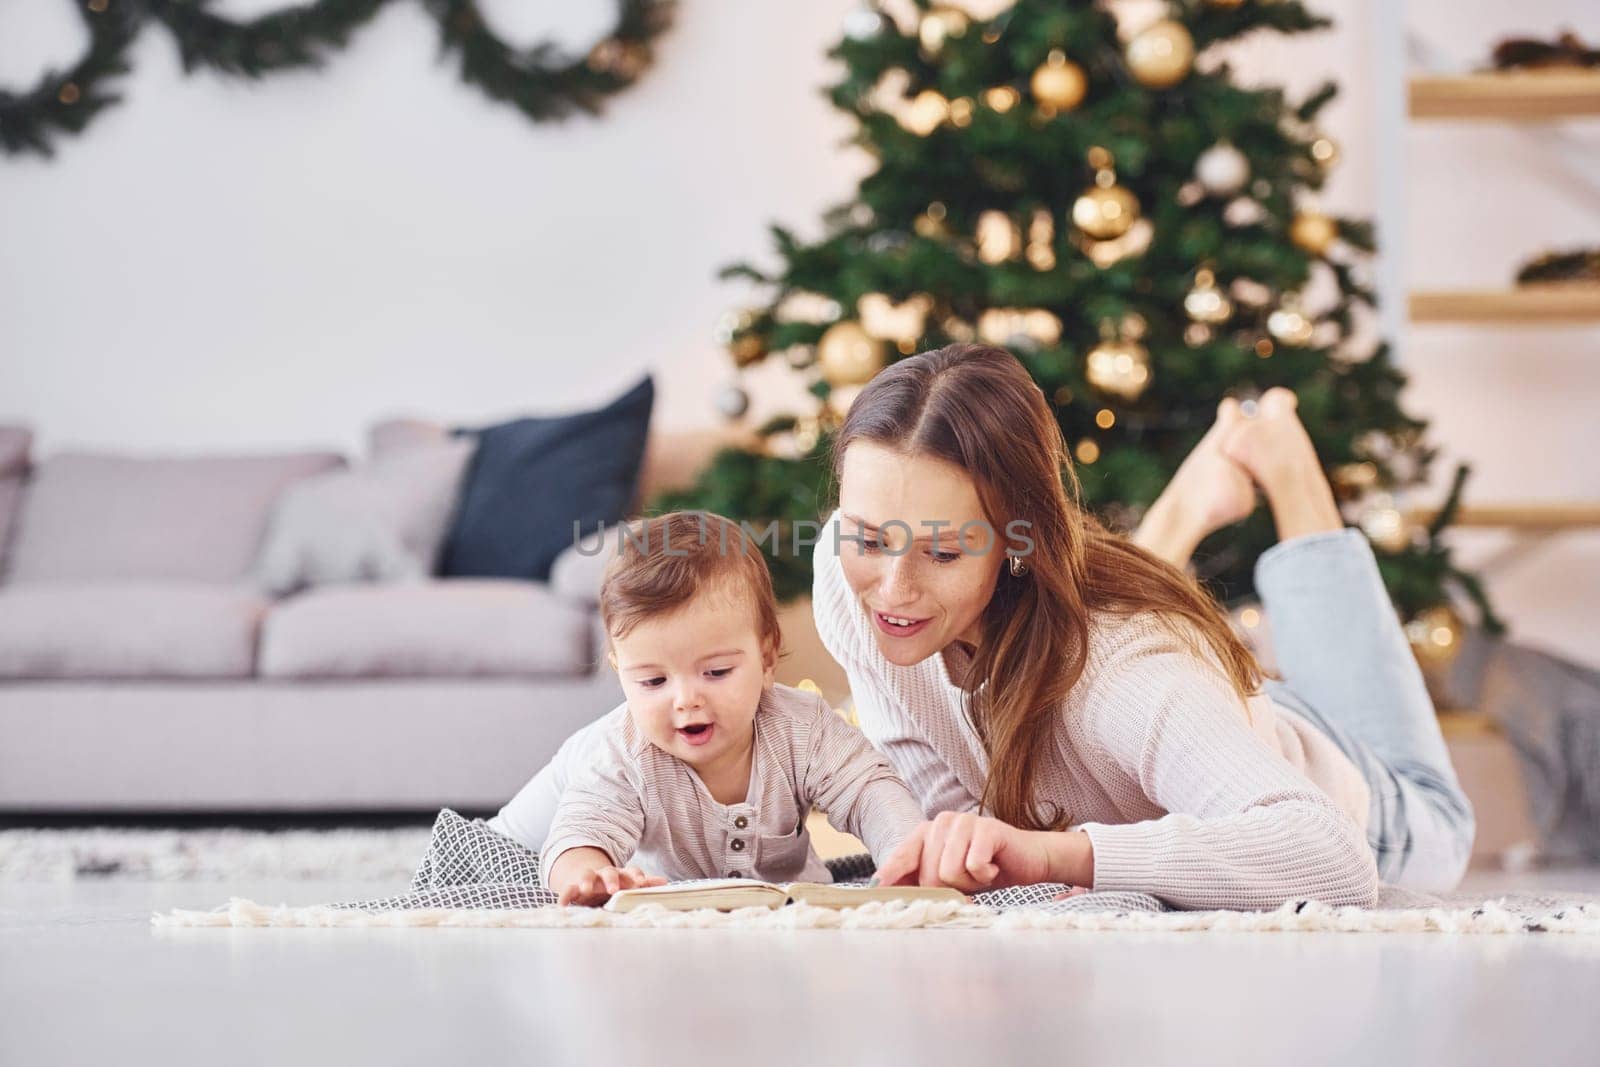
(384, 520)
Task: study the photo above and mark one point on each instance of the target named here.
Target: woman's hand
(973, 852)
(593, 888)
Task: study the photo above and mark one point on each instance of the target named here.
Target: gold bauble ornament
(1290, 325)
(1118, 368)
(736, 331)
(926, 113)
(1105, 210)
(999, 238)
(848, 354)
(1162, 55)
(747, 349)
(1384, 526)
(1435, 635)
(941, 23)
(1042, 240)
(1313, 232)
(1022, 328)
(930, 223)
(1350, 480)
(901, 323)
(1206, 303)
(1059, 84)
(1002, 99)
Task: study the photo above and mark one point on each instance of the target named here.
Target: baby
(709, 769)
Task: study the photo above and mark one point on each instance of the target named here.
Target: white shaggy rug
(220, 855)
(391, 855)
(1507, 916)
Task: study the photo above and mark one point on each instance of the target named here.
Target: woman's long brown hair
(974, 406)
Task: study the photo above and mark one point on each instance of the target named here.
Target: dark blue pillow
(530, 479)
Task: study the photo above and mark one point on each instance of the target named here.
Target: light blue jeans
(1347, 668)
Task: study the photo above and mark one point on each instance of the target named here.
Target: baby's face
(694, 679)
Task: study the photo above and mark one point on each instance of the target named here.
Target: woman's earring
(1018, 567)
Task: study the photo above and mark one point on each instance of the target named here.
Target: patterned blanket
(468, 865)
(472, 875)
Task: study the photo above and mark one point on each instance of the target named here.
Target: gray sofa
(142, 670)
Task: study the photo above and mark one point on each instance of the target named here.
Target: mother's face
(919, 587)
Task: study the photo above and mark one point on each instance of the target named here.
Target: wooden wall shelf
(1530, 305)
(1551, 516)
(1517, 96)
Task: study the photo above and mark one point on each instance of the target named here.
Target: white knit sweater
(1186, 791)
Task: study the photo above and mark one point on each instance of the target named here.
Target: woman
(1069, 706)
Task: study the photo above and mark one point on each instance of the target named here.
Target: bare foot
(1209, 491)
(1277, 452)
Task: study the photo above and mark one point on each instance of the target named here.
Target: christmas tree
(1136, 226)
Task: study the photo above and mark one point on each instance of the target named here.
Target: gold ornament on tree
(1351, 480)
(1042, 240)
(1105, 210)
(1206, 303)
(1162, 55)
(926, 113)
(1117, 366)
(941, 23)
(930, 223)
(1383, 524)
(1022, 328)
(901, 323)
(848, 354)
(1002, 98)
(999, 238)
(1313, 232)
(1435, 635)
(1058, 84)
(736, 330)
(1290, 325)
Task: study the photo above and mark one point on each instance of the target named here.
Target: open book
(726, 894)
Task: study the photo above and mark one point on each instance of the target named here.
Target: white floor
(85, 980)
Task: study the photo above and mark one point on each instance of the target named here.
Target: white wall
(216, 264)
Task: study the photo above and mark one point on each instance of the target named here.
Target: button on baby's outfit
(740, 823)
(737, 844)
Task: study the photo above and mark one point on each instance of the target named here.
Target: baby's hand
(595, 887)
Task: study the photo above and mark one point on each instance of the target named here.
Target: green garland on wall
(65, 101)
(543, 82)
(284, 40)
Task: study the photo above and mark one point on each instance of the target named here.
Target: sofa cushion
(128, 630)
(89, 517)
(457, 628)
(383, 520)
(392, 435)
(533, 479)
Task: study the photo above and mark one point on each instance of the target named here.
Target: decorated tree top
(1139, 228)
